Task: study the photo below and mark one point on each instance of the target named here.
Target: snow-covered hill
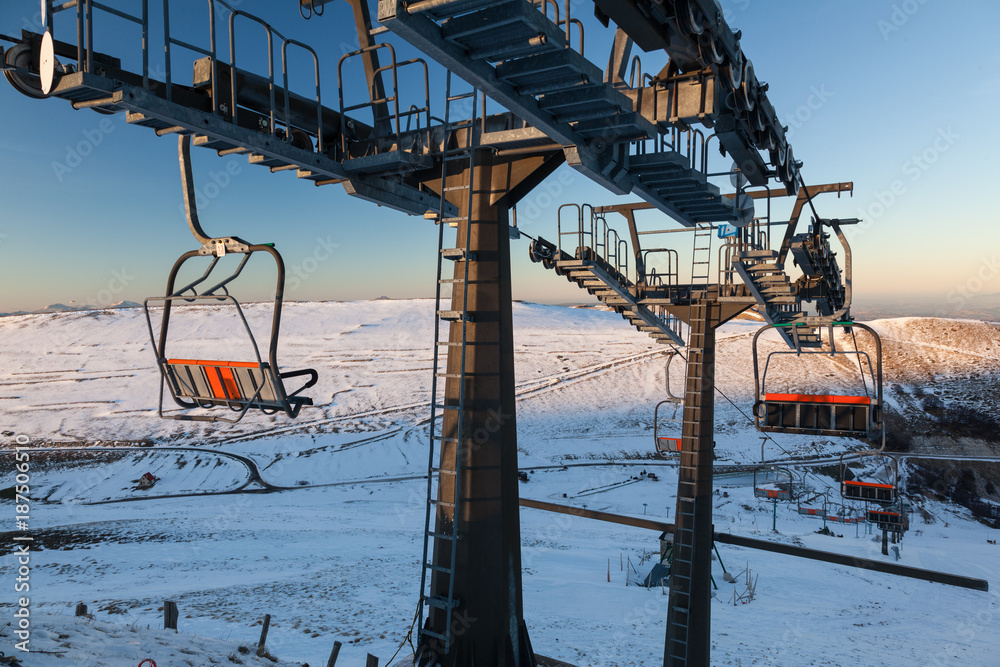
(335, 554)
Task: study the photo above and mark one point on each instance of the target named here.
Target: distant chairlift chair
(206, 384)
(873, 492)
(782, 489)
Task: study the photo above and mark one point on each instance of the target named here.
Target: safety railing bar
(363, 105)
(192, 47)
(414, 109)
(145, 44)
(636, 65)
(90, 35)
(270, 59)
(409, 116)
(569, 38)
(545, 9)
(167, 41)
(394, 117)
(117, 12)
(288, 93)
(55, 9)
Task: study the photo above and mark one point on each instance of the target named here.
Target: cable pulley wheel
(691, 19)
(758, 123)
(30, 85)
(733, 71)
(746, 93)
(710, 51)
(791, 169)
(770, 136)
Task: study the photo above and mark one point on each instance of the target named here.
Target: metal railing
(566, 23)
(85, 20)
(396, 116)
(85, 29)
(592, 234)
(661, 276)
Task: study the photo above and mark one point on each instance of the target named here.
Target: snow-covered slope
(335, 555)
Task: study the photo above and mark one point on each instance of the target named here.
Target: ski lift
(875, 492)
(889, 519)
(207, 384)
(811, 414)
(845, 515)
(778, 490)
(821, 512)
(667, 446)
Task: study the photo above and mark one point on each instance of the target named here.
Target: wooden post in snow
(81, 609)
(169, 615)
(372, 661)
(263, 635)
(332, 662)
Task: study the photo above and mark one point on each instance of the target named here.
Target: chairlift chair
(875, 492)
(206, 384)
(821, 512)
(811, 414)
(889, 519)
(783, 491)
(667, 446)
(845, 515)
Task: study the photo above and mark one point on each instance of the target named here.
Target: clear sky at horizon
(898, 97)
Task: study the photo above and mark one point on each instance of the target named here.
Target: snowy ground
(336, 556)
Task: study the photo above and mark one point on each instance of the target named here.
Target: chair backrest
(667, 445)
(817, 398)
(233, 383)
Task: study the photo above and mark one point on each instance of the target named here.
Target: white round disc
(47, 63)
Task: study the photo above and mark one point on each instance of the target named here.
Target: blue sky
(898, 97)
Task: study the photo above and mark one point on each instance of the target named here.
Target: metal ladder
(450, 156)
(701, 255)
(680, 576)
(682, 583)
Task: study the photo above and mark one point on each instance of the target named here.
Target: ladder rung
(444, 503)
(444, 471)
(438, 568)
(456, 254)
(454, 316)
(431, 633)
(442, 536)
(441, 602)
(445, 407)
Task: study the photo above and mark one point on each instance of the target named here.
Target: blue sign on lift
(726, 231)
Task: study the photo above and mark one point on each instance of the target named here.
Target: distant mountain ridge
(63, 308)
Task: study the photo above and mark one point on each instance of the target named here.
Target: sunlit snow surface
(337, 556)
